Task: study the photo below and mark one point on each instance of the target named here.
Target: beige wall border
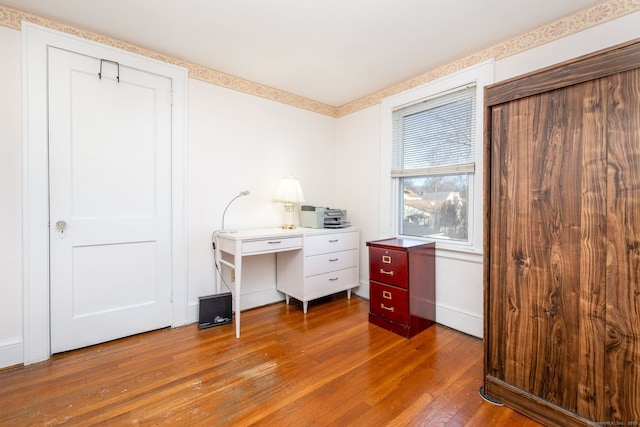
(12, 18)
(595, 15)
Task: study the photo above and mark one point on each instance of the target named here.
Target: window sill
(448, 250)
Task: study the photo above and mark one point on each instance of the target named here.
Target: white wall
(459, 277)
(357, 179)
(241, 142)
(10, 199)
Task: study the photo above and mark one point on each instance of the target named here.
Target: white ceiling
(331, 51)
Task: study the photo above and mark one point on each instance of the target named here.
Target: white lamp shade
(289, 191)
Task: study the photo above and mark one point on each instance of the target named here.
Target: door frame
(35, 178)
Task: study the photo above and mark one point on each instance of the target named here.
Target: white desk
(311, 263)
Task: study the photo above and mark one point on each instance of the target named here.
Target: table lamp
(289, 192)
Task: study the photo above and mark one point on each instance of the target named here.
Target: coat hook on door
(112, 62)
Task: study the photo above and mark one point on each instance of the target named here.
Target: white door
(110, 200)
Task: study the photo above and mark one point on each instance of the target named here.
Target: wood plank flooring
(328, 367)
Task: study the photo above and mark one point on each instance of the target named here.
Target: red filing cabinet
(402, 276)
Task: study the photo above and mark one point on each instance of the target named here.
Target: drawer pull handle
(386, 294)
(386, 259)
(391, 309)
(334, 279)
(333, 260)
(390, 273)
(275, 242)
(333, 241)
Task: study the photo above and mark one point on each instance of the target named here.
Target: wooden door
(110, 200)
(562, 301)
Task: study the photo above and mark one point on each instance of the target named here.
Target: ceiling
(331, 51)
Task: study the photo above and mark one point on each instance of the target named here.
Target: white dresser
(328, 263)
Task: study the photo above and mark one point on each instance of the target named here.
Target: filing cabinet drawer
(389, 302)
(388, 266)
(325, 263)
(272, 245)
(325, 243)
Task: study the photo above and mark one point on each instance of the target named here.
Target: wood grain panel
(515, 223)
(538, 263)
(556, 194)
(495, 249)
(563, 291)
(623, 258)
(590, 369)
(547, 326)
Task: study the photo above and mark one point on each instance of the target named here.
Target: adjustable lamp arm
(242, 193)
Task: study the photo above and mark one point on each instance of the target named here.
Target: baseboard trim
(533, 406)
(363, 290)
(468, 323)
(11, 352)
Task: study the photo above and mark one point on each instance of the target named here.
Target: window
(433, 164)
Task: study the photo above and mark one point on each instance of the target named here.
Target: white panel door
(110, 200)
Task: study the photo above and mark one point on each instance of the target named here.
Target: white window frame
(481, 75)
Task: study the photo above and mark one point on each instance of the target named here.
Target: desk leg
(217, 255)
(238, 267)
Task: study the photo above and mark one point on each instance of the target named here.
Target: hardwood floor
(328, 367)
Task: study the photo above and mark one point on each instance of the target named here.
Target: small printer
(318, 217)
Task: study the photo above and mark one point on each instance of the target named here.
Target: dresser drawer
(272, 245)
(324, 263)
(389, 302)
(330, 283)
(325, 243)
(388, 266)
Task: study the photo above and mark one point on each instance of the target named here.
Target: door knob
(60, 226)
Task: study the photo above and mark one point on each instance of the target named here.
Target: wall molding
(12, 18)
(588, 18)
(595, 15)
(11, 351)
(452, 317)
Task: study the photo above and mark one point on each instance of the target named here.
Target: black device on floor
(214, 310)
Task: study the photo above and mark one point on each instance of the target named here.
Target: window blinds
(435, 135)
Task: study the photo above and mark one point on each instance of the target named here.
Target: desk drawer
(330, 283)
(272, 245)
(325, 243)
(319, 264)
(389, 302)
